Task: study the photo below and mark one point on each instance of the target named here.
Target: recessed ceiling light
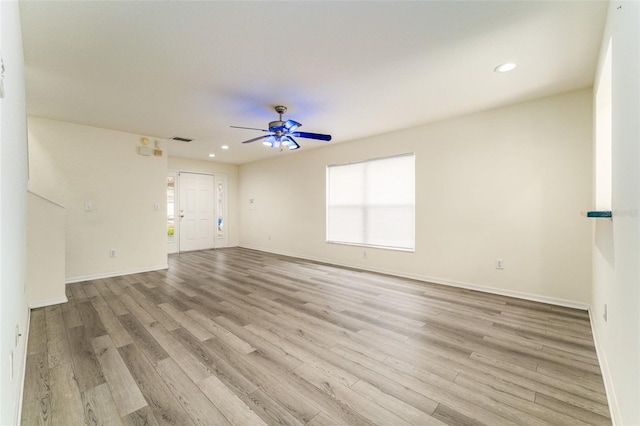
(509, 66)
(225, 147)
(212, 155)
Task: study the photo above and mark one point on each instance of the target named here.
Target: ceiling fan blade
(307, 135)
(257, 139)
(249, 128)
(291, 125)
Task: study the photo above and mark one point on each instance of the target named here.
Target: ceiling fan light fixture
(282, 132)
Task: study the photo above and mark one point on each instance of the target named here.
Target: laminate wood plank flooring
(242, 337)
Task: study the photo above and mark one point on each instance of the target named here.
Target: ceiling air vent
(179, 139)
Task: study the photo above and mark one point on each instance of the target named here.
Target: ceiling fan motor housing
(275, 125)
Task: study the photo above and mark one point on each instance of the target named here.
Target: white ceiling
(348, 68)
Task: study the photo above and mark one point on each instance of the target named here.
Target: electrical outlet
(605, 314)
(269, 237)
(499, 264)
(364, 254)
(112, 252)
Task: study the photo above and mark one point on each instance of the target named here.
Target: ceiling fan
(281, 133)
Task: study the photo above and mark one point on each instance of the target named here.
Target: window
(372, 203)
(171, 206)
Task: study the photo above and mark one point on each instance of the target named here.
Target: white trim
(610, 390)
(24, 366)
(509, 293)
(477, 287)
(48, 302)
(194, 173)
(72, 280)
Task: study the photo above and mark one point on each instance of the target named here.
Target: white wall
(508, 183)
(231, 171)
(73, 165)
(616, 243)
(45, 252)
(13, 214)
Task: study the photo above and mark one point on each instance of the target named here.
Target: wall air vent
(179, 139)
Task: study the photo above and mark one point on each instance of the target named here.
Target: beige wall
(73, 165)
(616, 242)
(508, 183)
(45, 252)
(231, 171)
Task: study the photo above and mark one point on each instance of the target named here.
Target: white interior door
(197, 216)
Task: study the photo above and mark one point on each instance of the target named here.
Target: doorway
(196, 215)
(196, 211)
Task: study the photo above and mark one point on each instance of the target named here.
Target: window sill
(408, 250)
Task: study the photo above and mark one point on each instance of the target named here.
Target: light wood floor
(241, 337)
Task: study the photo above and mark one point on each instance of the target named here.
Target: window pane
(342, 218)
(220, 221)
(372, 202)
(346, 184)
(391, 226)
(390, 181)
(171, 196)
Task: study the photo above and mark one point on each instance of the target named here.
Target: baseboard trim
(47, 302)
(111, 274)
(612, 400)
(435, 280)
